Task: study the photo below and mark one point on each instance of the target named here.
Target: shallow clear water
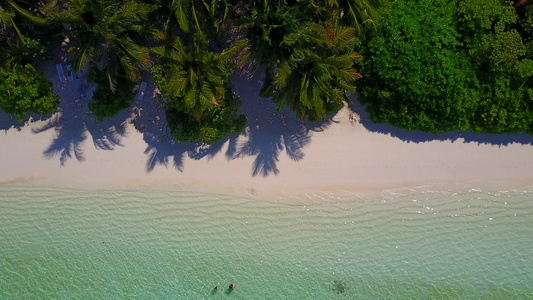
(71, 244)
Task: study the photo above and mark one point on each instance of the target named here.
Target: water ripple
(137, 244)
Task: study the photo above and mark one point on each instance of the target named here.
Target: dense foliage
(310, 59)
(107, 41)
(217, 122)
(449, 65)
(108, 99)
(306, 45)
(313, 80)
(434, 66)
(15, 46)
(25, 90)
(195, 83)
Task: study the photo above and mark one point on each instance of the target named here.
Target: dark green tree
(12, 13)
(503, 69)
(358, 14)
(15, 45)
(109, 99)
(107, 34)
(415, 73)
(206, 16)
(444, 65)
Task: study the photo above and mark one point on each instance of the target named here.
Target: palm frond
(180, 9)
(28, 15)
(21, 37)
(6, 17)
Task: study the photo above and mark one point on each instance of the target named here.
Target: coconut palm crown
(105, 31)
(313, 81)
(8, 13)
(358, 14)
(196, 76)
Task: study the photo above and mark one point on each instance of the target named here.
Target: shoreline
(276, 157)
(315, 178)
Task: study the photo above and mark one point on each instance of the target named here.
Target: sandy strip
(344, 158)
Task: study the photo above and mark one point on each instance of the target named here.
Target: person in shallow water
(216, 287)
(232, 286)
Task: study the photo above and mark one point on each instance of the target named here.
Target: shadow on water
(267, 134)
(421, 137)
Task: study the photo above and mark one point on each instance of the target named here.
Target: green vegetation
(307, 47)
(25, 90)
(310, 59)
(108, 35)
(433, 66)
(110, 97)
(195, 82)
(313, 80)
(217, 122)
(444, 65)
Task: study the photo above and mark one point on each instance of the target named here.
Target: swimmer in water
(232, 286)
(216, 287)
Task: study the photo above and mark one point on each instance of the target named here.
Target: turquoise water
(71, 244)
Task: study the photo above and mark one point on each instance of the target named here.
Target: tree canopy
(313, 80)
(108, 35)
(448, 65)
(195, 83)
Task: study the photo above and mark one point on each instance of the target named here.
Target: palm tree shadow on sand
(421, 137)
(8, 122)
(148, 117)
(268, 133)
(72, 124)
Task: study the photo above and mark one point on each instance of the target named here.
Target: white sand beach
(277, 157)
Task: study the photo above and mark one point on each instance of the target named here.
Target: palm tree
(105, 32)
(356, 13)
(105, 35)
(267, 27)
(12, 40)
(8, 19)
(205, 16)
(195, 76)
(313, 81)
(199, 103)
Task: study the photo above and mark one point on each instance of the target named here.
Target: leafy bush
(110, 96)
(37, 50)
(503, 70)
(216, 122)
(447, 65)
(25, 90)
